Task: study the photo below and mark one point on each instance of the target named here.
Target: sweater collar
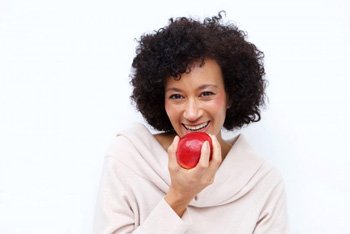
(236, 175)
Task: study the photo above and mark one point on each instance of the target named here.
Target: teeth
(196, 128)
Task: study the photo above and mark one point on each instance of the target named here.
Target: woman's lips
(195, 128)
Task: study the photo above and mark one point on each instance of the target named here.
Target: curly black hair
(172, 50)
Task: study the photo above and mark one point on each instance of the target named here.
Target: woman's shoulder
(129, 138)
(164, 139)
(246, 156)
(135, 139)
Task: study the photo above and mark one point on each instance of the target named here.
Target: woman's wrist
(177, 202)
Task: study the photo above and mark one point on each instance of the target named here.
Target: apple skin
(189, 149)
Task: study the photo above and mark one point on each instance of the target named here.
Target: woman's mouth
(194, 128)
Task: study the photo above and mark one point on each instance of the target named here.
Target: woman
(192, 76)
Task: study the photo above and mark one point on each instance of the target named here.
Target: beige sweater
(247, 195)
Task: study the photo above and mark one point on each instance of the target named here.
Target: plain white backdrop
(64, 93)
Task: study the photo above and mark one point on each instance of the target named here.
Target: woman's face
(198, 101)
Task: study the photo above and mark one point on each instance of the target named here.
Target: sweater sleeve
(273, 218)
(116, 209)
(163, 219)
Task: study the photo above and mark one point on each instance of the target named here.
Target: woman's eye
(175, 96)
(207, 93)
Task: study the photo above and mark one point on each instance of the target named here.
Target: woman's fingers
(216, 158)
(216, 154)
(194, 180)
(204, 158)
(172, 153)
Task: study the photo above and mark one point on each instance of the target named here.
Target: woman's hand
(186, 184)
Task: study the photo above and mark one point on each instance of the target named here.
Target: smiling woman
(192, 77)
(198, 100)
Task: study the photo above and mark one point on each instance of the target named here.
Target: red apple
(189, 149)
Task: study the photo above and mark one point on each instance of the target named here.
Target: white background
(64, 93)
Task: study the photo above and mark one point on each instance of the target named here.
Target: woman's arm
(117, 208)
(186, 184)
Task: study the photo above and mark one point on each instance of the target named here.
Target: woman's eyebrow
(204, 86)
(207, 86)
(173, 89)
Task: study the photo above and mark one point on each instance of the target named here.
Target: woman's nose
(192, 111)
